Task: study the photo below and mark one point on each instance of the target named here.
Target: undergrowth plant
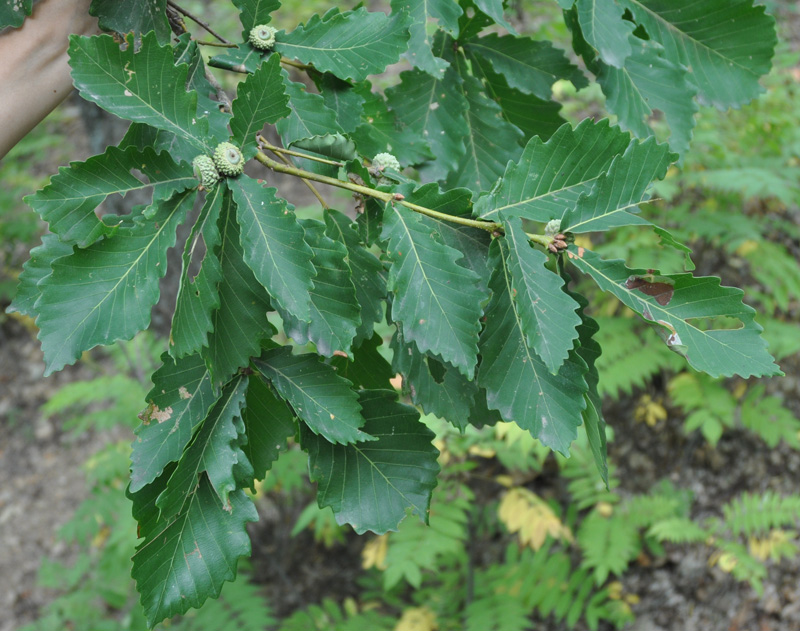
(471, 195)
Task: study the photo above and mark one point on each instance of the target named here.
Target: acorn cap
(262, 37)
(228, 159)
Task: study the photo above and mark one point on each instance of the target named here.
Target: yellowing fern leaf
(374, 553)
(529, 515)
(417, 619)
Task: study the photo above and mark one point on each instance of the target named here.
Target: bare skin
(34, 73)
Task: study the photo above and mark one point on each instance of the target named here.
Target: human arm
(34, 70)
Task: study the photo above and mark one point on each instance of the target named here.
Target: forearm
(34, 73)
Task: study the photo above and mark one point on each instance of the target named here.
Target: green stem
(267, 145)
(295, 64)
(371, 192)
(217, 44)
(539, 239)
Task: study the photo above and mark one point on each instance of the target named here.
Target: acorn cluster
(227, 161)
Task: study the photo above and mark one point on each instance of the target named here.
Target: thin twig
(194, 18)
(382, 195)
(311, 187)
(267, 145)
(217, 44)
(295, 64)
(223, 97)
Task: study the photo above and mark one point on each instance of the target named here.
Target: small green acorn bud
(205, 171)
(552, 228)
(385, 161)
(228, 159)
(262, 37)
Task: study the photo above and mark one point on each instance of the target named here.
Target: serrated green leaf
(727, 44)
(474, 244)
(667, 240)
(309, 115)
(589, 350)
(605, 30)
(185, 561)
(255, 12)
(494, 9)
(136, 85)
(616, 194)
(490, 141)
(550, 176)
(323, 400)
(335, 313)
(341, 97)
(350, 45)
(547, 314)
(105, 292)
(187, 51)
(368, 369)
(367, 272)
(268, 423)
(532, 115)
(198, 297)
(647, 82)
(435, 299)
(34, 270)
(69, 201)
(529, 66)
(421, 13)
(240, 322)
(435, 110)
(380, 133)
(372, 485)
(14, 12)
(333, 146)
(214, 451)
(244, 58)
(181, 397)
(273, 245)
(139, 17)
(435, 387)
(260, 99)
(517, 382)
(716, 351)
(145, 137)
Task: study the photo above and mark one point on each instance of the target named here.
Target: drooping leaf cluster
(470, 264)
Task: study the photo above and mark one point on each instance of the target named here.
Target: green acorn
(552, 228)
(262, 37)
(205, 171)
(385, 161)
(228, 159)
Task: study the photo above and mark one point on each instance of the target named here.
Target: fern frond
(775, 269)
(756, 514)
(416, 547)
(678, 530)
(663, 501)
(329, 616)
(767, 417)
(240, 607)
(585, 486)
(630, 356)
(546, 582)
(608, 544)
(497, 612)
